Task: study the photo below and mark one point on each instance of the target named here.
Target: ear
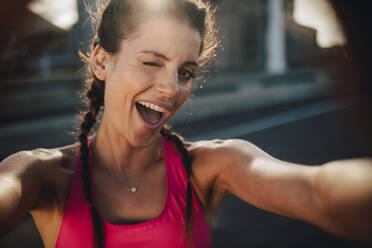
(99, 62)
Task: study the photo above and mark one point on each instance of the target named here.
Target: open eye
(151, 64)
(185, 75)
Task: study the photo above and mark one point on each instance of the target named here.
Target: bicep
(266, 182)
(20, 184)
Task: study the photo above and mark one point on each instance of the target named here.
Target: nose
(167, 85)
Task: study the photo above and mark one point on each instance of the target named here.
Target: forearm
(343, 192)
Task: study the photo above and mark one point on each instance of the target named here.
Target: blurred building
(244, 26)
(30, 44)
(35, 45)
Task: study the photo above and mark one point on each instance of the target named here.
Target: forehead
(165, 35)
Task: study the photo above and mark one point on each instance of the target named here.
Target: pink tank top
(164, 231)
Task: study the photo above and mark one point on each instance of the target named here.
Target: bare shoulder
(35, 181)
(207, 155)
(223, 151)
(211, 157)
(44, 174)
(39, 159)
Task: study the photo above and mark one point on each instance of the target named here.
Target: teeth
(152, 106)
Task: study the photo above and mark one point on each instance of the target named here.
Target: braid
(96, 96)
(187, 161)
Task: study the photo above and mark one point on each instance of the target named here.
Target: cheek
(125, 85)
(114, 91)
(184, 93)
(116, 94)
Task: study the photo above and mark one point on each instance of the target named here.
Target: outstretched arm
(336, 196)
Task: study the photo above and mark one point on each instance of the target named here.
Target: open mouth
(149, 112)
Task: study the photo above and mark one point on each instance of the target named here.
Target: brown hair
(114, 21)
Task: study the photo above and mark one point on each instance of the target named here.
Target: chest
(152, 215)
(130, 202)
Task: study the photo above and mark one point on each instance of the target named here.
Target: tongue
(150, 116)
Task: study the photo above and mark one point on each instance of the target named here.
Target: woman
(135, 183)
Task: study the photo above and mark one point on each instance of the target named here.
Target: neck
(113, 152)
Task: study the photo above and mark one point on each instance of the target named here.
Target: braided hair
(113, 24)
(96, 96)
(187, 161)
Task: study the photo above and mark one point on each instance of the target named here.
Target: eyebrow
(156, 54)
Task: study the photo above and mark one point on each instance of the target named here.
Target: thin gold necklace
(134, 188)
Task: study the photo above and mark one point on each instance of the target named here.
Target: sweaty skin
(292, 190)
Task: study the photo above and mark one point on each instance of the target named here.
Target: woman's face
(150, 78)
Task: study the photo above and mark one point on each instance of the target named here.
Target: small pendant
(133, 189)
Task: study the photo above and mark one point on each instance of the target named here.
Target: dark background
(317, 110)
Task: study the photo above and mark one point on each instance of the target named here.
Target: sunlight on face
(155, 5)
(155, 67)
(320, 15)
(62, 13)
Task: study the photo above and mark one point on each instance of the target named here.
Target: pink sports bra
(164, 231)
